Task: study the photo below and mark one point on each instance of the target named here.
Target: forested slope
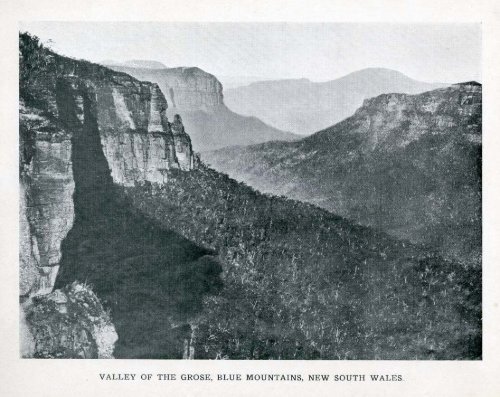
(302, 283)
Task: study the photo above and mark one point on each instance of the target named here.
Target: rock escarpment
(140, 144)
(186, 88)
(198, 96)
(137, 139)
(394, 121)
(136, 135)
(74, 111)
(46, 204)
(192, 89)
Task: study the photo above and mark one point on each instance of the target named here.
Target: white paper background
(81, 377)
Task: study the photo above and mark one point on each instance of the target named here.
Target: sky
(446, 53)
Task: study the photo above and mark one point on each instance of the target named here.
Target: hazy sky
(435, 53)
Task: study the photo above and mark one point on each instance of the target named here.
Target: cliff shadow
(151, 279)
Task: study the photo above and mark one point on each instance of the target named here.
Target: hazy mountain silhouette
(303, 106)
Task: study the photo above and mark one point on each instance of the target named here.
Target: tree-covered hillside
(302, 283)
(409, 165)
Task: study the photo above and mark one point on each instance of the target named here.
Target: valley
(134, 247)
(409, 165)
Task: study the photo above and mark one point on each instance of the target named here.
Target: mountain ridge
(397, 163)
(304, 106)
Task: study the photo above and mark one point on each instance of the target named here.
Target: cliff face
(46, 204)
(186, 88)
(198, 96)
(192, 88)
(77, 112)
(136, 136)
(406, 164)
(394, 121)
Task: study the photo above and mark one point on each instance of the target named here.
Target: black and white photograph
(250, 191)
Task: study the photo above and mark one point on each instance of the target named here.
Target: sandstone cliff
(62, 99)
(186, 88)
(394, 121)
(136, 136)
(138, 141)
(192, 89)
(46, 204)
(198, 96)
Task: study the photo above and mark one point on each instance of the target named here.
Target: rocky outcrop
(192, 88)
(138, 149)
(136, 136)
(394, 121)
(67, 323)
(182, 144)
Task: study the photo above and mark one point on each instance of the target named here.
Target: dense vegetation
(300, 282)
(409, 165)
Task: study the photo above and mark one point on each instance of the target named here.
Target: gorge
(131, 247)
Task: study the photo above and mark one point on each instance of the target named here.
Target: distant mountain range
(197, 96)
(304, 107)
(406, 164)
